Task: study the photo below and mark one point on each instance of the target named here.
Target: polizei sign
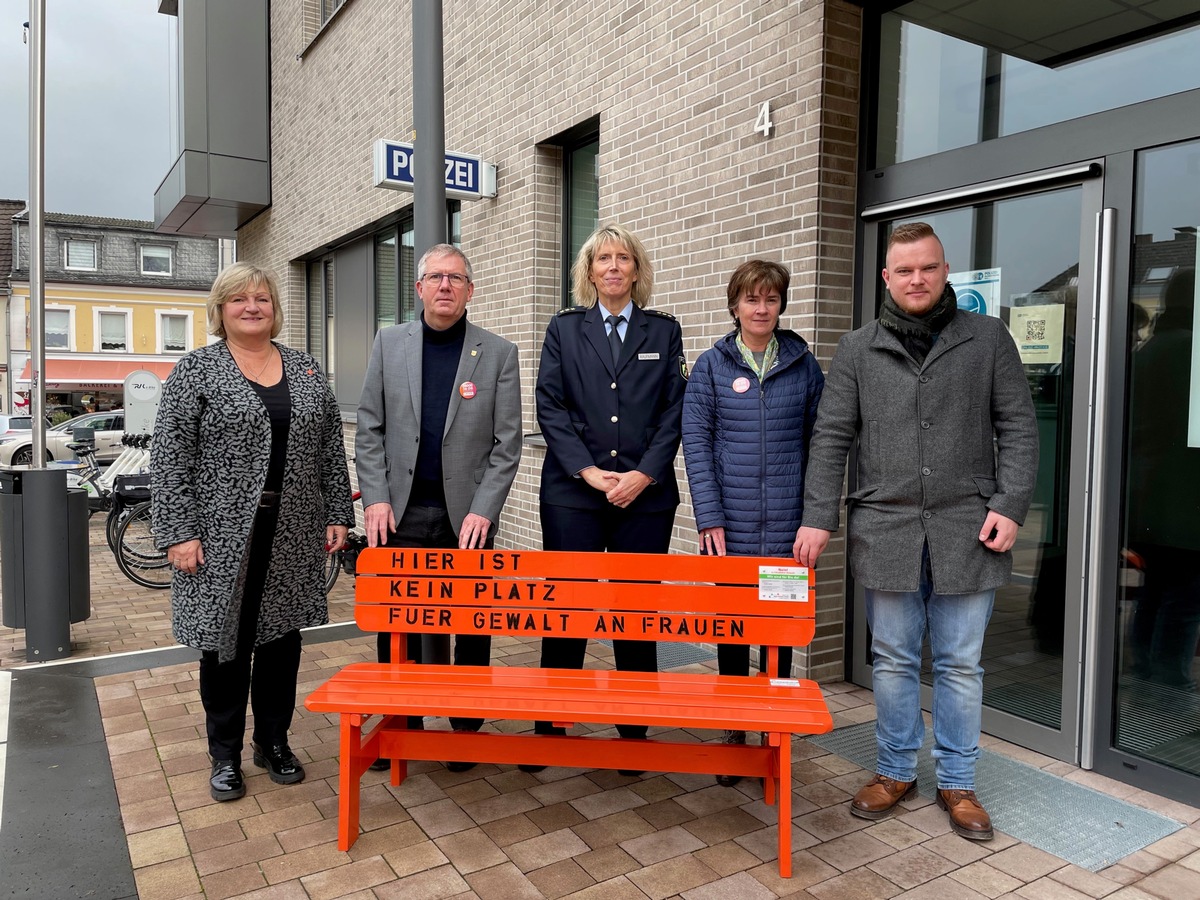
(467, 176)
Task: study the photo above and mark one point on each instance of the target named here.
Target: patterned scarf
(917, 333)
(770, 355)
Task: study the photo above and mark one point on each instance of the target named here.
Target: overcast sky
(108, 141)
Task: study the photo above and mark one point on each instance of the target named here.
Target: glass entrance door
(1149, 707)
(1029, 260)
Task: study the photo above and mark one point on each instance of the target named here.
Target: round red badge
(741, 385)
(467, 390)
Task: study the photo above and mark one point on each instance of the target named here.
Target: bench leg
(769, 783)
(784, 760)
(348, 780)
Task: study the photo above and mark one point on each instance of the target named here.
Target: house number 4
(763, 123)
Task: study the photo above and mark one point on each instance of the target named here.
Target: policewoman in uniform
(609, 403)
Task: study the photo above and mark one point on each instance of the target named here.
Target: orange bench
(697, 599)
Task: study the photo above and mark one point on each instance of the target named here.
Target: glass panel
(1018, 260)
(58, 329)
(1157, 712)
(938, 92)
(112, 331)
(81, 255)
(156, 260)
(174, 334)
(408, 273)
(327, 299)
(583, 203)
(385, 280)
(316, 313)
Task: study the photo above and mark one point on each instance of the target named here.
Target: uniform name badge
(741, 385)
(467, 390)
(642, 356)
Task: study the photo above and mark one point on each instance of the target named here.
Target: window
(328, 8)
(938, 92)
(581, 193)
(156, 260)
(360, 287)
(58, 329)
(113, 331)
(174, 332)
(80, 255)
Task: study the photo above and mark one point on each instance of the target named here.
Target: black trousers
(265, 674)
(734, 659)
(429, 527)
(595, 531)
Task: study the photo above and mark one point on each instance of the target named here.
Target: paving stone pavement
(496, 833)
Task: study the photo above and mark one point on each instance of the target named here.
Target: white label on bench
(785, 682)
(783, 583)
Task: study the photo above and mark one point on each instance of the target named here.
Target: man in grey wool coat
(937, 401)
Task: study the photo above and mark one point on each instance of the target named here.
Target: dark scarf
(917, 333)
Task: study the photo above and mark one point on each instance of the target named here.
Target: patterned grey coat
(208, 463)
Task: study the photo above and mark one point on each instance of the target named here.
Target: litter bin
(45, 570)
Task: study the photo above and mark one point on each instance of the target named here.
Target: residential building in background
(119, 297)
(1055, 147)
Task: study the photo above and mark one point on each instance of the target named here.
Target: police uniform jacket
(620, 417)
(939, 444)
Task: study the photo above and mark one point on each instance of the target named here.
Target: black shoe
(532, 770)
(380, 765)
(225, 782)
(731, 737)
(631, 773)
(279, 761)
(464, 766)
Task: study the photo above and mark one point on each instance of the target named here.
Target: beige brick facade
(676, 86)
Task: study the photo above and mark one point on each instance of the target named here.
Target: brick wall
(677, 87)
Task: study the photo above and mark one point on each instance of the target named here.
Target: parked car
(12, 426)
(16, 449)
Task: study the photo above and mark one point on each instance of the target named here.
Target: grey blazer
(938, 444)
(481, 444)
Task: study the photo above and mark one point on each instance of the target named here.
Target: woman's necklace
(245, 366)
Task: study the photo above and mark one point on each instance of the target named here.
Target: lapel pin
(467, 390)
(474, 352)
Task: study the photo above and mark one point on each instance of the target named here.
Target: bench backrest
(630, 596)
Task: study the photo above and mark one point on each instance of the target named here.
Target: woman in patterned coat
(250, 488)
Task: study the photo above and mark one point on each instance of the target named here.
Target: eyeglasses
(434, 279)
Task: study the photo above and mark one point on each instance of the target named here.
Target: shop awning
(92, 374)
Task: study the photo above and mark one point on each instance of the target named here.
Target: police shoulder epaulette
(660, 313)
(571, 309)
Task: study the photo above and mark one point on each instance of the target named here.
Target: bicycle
(346, 559)
(118, 488)
(138, 556)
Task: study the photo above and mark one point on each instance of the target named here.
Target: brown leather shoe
(968, 818)
(876, 798)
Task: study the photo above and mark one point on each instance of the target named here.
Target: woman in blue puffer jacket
(748, 417)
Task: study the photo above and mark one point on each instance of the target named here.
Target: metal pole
(429, 121)
(37, 235)
(429, 177)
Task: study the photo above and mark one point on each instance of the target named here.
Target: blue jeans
(956, 624)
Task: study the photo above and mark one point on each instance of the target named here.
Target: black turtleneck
(440, 353)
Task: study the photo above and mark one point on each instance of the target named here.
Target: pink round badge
(741, 385)
(467, 389)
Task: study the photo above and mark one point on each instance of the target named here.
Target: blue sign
(971, 300)
(467, 176)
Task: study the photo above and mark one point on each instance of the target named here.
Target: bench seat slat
(586, 696)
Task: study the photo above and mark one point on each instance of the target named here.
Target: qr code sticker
(1035, 329)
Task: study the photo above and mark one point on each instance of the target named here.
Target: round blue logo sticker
(971, 301)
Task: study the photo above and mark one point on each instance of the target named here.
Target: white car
(17, 449)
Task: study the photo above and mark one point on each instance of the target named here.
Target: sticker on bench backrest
(788, 583)
(785, 682)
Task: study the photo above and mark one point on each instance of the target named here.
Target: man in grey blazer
(439, 431)
(937, 401)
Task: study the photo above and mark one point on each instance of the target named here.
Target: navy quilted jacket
(746, 452)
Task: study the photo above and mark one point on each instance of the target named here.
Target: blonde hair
(585, 291)
(234, 280)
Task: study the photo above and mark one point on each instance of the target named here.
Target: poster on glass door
(978, 291)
